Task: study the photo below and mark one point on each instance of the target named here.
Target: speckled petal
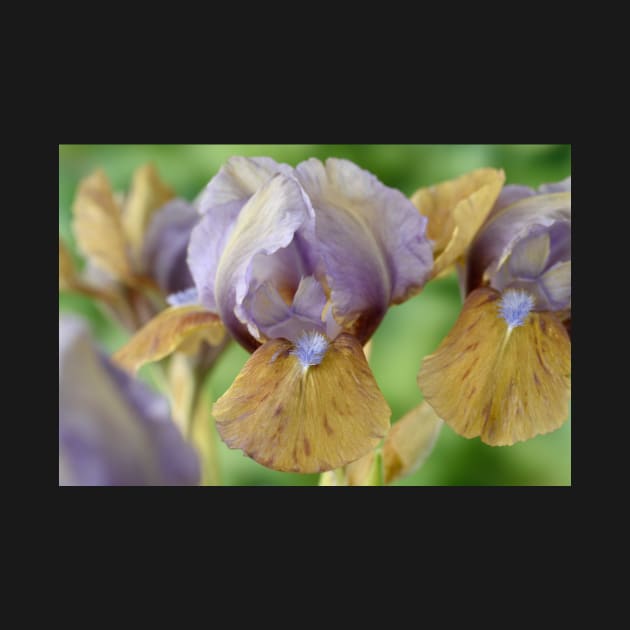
(504, 381)
(371, 238)
(309, 418)
(166, 245)
(113, 430)
(172, 329)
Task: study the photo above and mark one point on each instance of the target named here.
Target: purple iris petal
(237, 180)
(515, 192)
(166, 245)
(562, 186)
(371, 239)
(520, 243)
(113, 430)
(220, 204)
(509, 194)
(555, 283)
(275, 318)
(207, 243)
(260, 249)
(324, 247)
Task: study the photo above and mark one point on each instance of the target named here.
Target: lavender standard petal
(113, 430)
(266, 225)
(220, 204)
(166, 245)
(499, 236)
(207, 243)
(371, 239)
(237, 180)
(274, 318)
(528, 266)
(509, 194)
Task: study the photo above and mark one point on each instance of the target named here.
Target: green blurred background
(409, 331)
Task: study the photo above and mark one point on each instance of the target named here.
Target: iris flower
(503, 371)
(113, 430)
(135, 245)
(301, 266)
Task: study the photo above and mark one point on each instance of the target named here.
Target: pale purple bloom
(324, 247)
(526, 244)
(166, 245)
(113, 430)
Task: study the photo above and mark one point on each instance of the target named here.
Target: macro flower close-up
(301, 265)
(315, 315)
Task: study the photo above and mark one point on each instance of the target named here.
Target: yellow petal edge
(167, 332)
(455, 210)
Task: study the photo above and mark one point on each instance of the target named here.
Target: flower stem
(202, 431)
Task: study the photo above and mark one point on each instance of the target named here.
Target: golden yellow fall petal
(192, 344)
(166, 332)
(147, 194)
(455, 210)
(305, 420)
(69, 280)
(98, 227)
(410, 441)
(504, 386)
